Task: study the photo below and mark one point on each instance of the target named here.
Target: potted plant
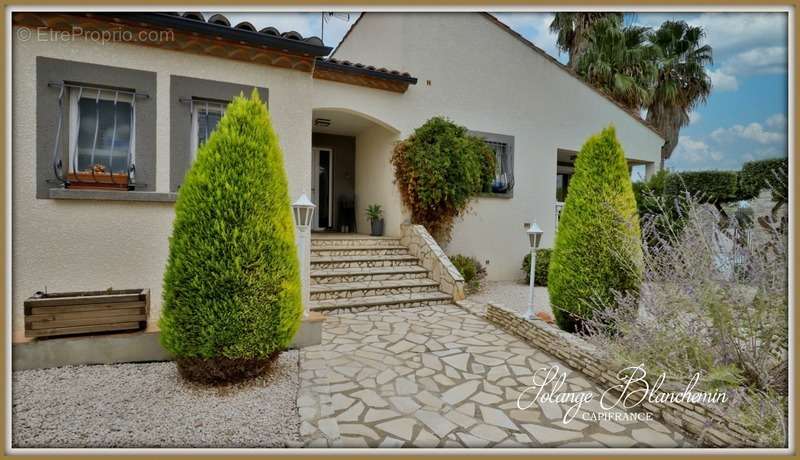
(375, 217)
(98, 177)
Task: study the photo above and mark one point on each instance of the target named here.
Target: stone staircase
(357, 272)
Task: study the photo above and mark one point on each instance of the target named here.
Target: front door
(322, 187)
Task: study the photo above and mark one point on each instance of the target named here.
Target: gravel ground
(148, 405)
(513, 294)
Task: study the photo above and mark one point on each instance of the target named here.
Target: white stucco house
(140, 103)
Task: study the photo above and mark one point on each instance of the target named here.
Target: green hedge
(716, 187)
(542, 267)
(598, 239)
(759, 175)
(232, 282)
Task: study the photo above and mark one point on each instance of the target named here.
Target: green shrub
(715, 187)
(759, 175)
(647, 192)
(542, 267)
(472, 271)
(598, 243)
(232, 286)
(438, 169)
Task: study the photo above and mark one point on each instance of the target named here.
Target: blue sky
(745, 117)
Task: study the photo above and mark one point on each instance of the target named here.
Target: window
(205, 117)
(102, 140)
(562, 186)
(73, 120)
(101, 134)
(196, 107)
(503, 174)
(503, 148)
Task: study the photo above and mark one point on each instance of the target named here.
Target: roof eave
(324, 64)
(230, 33)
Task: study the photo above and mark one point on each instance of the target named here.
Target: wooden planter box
(68, 313)
(98, 180)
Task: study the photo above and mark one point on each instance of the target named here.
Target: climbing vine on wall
(438, 169)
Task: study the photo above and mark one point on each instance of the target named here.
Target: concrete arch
(352, 113)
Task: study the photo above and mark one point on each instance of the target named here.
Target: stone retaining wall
(422, 246)
(701, 422)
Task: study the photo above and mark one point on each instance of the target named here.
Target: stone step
(355, 275)
(382, 302)
(372, 288)
(362, 261)
(329, 251)
(377, 241)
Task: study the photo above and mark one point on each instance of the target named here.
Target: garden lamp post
(303, 211)
(535, 237)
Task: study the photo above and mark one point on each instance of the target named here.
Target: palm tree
(682, 82)
(572, 29)
(621, 62)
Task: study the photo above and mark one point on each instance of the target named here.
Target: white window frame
(198, 107)
(75, 94)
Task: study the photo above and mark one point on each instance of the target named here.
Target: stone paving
(439, 376)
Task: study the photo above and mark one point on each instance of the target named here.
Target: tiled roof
(370, 70)
(222, 20)
(219, 26)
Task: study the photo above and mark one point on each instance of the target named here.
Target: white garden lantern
(303, 211)
(535, 238)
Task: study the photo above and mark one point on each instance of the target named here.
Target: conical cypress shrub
(598, 242)
(232, 285)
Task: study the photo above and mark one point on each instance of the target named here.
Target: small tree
(597, 249)
(232, 283)
(439, 168)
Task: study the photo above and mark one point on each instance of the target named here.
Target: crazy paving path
(441, 377)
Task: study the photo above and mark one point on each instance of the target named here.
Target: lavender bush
(714, 300)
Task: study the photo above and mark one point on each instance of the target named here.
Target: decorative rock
(374, 415)
(437, 423)
(403, 428)
(653, 438)
(352, 414)
(550, 436)
(461, 392)
(497, 417)
(404, 404)
(458, 361)
(370, 398)
(488, 432)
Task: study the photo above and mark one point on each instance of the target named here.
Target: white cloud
(722, 81)
(763, 60)
(753, 132)
(777, 121)
(734, 31)
(694, 151)
(694, 118)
